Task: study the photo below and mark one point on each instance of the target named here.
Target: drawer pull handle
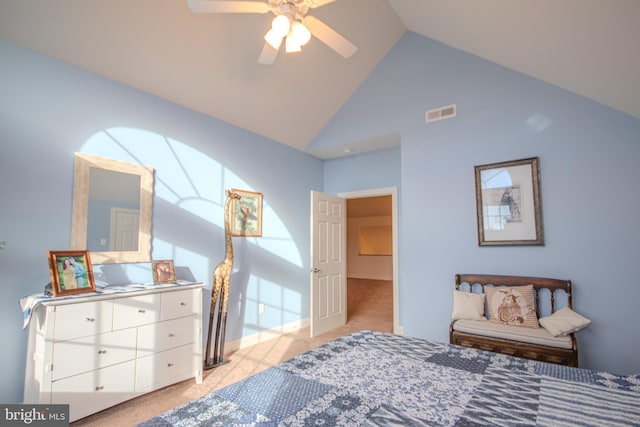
(100, 387)
(102, 351)
(169, 365)
(183, 303)
(90, 319)
(142, 310)
(171, 335)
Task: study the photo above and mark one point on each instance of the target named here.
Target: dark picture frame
(71, 273)
(508, 203)
(163, 271)
(246, 214)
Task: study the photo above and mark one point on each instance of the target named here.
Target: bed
(374, 378)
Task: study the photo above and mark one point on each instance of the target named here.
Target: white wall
(377, 267)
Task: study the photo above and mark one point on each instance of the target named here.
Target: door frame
(393, 192)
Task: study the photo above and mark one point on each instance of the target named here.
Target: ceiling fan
(290, 25)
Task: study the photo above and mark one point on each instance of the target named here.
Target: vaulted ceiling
(208, 62)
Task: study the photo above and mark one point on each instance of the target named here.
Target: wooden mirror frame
(83, 164)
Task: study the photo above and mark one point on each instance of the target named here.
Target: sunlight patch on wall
(191, 180)
(276, 238)
(189, 265)
(281, 305)
(205, 209)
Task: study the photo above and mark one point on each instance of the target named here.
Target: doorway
(380, 239)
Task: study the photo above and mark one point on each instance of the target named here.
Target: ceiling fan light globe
(281, 25)
(273, 38)
(301, 33)
(291, 45)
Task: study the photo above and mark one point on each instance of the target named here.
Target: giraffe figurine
(220, 291)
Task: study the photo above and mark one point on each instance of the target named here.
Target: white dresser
(96, 351)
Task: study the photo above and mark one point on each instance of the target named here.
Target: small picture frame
(163, 271)
(508, 203)
(246, 214)
(71, 273)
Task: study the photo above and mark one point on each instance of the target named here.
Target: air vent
(441, 113)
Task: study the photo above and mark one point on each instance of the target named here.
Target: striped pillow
(512, 305)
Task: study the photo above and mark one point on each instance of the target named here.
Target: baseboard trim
(266, 335)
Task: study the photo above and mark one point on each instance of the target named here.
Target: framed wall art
(246, 214)
(71, 272)
(508, 203)
(163, 271)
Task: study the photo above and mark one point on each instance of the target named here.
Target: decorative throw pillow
(467, 306)
(563, 322)
(511, 305)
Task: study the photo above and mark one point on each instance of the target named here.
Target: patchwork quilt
(371, 378)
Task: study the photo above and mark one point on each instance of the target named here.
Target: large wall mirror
(112, 203)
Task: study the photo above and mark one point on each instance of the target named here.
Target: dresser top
(116, 291)
(29, 303)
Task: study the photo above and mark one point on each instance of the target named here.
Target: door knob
(315, 270)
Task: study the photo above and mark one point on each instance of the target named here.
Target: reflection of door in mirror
(112, 209)
(124, 229)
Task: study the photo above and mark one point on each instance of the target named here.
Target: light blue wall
(49, 110)
(589, 176)
(377, 169)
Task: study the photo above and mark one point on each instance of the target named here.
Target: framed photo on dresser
(163, 272)
(71, 272)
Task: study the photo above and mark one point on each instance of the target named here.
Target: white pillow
(467, 306)
(563, 322)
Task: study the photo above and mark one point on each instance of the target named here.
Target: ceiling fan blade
(212, 6)
(268, 55)
(317, 3)
(330, 37)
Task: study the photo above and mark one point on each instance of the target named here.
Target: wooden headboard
(545, 289)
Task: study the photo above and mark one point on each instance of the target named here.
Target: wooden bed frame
(515, 348)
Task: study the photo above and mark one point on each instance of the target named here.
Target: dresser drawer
(164, 368)
(180, 304)
(96, 351)
(165, 335)
(89, 353)
(136, 311)
(82, 319)
(94, 391)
